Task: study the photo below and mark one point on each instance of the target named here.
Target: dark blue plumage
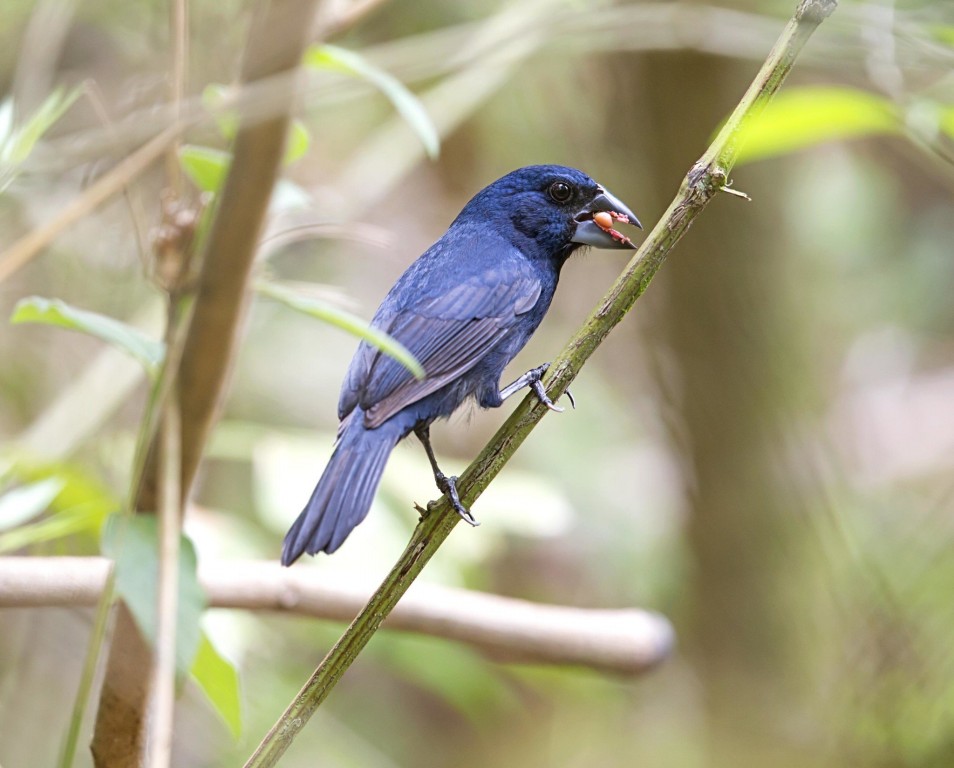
(464, 309)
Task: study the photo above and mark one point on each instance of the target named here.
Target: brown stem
(277, 39)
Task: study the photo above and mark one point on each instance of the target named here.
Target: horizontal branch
(624, 641)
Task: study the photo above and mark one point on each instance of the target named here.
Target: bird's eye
(560, 192)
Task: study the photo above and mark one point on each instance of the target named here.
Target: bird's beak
(594, 224)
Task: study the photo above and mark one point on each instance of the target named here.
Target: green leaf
(943, 33)
(69, 522)
(132, 541)
(206, 167)
(215, 97)
(344, 320)
(6, 122)
(298, 142)
(803, 117)
(18, 143)
(26, 502)
(219, 681)
(946, 121)
(35, 309)
(331, 57)
(80, 488)
(80, 505)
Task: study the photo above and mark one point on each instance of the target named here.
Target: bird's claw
(448, 486)
(543, 397)
(534, 379)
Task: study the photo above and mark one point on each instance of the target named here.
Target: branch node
(815, 11)
(703, 181)
(727, 188)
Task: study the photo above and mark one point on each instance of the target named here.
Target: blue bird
(464, 309)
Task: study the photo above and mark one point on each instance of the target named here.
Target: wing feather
(448, 334)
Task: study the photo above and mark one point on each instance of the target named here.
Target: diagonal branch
(707, 176)
(28, 246)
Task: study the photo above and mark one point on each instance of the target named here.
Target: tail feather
(344, 493)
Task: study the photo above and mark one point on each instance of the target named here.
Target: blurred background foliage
(763, 451)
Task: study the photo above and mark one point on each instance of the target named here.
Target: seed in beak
(603, 220)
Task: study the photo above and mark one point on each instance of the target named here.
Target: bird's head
(553, 210)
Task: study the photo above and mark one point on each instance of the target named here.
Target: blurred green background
(762, 451)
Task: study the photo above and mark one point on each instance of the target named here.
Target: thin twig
(170, 515)
(95, 98)
(179, 34)
(87, 676)
(708, 176)
(133, 665)
(28, 246)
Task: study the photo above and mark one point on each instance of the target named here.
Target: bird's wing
(448, 334)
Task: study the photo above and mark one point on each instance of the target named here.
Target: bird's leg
(446, 485)
(534, 379)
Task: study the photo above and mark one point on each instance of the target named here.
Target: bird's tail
(344, 493)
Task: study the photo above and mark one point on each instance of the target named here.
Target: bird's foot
(534, 379)
(448, 486)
